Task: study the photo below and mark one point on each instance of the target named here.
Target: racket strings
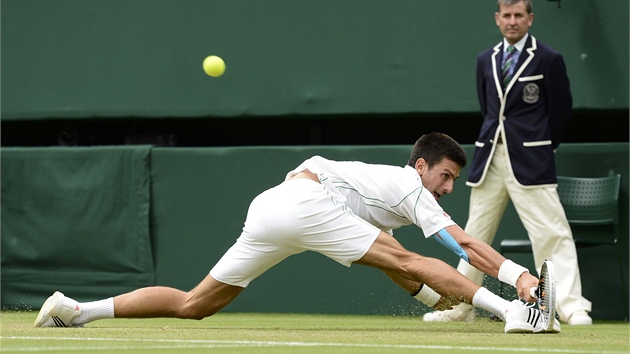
(546, 294)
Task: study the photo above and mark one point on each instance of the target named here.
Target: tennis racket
(545, 294)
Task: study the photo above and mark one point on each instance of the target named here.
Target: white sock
(95, 310)
(490, 302)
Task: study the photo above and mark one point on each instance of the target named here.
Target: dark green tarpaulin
(83, 203)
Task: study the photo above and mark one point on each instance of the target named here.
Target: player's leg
(414, 286)
(543, 216)
(204, 300)
(157, 301)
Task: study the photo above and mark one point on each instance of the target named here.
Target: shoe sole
(552, 331)
(583, 322)
(446, 319)
(49, 305)
(523, 327)
(448, 316)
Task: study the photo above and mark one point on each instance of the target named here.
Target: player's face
(440, 178)
(514, 21)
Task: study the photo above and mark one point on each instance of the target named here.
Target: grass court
(301, 333)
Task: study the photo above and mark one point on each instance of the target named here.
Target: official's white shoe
(580, 318)
(521, 318)
(460, 313)
(58, 311)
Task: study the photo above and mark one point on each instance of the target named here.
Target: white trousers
(544, 219)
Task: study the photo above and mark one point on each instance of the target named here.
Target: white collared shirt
(387, 197)
(518, 45)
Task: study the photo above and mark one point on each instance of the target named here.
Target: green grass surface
(297, 333)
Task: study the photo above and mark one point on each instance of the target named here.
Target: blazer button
(503, 118)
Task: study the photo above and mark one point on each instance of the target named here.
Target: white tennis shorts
(296, 216)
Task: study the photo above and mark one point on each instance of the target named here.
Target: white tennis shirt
(387, 197)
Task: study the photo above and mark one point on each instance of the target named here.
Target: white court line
(209, 344)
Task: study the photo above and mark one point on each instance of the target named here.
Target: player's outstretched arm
(485, 258)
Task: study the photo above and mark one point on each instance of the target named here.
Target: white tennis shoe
(462, 312)
(580, 318)
(523, 318)
(58, 311)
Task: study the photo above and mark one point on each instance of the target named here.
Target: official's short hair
(528, 4)
(435, 147)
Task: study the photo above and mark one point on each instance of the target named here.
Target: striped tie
(505, 69)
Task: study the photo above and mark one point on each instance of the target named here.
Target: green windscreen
(137, 58)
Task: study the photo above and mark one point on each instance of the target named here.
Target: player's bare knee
(192, 312)
(193, 309)
(410, 265)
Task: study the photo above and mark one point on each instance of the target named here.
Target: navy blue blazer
(531, 114)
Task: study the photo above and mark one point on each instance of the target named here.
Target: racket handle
(532, 292)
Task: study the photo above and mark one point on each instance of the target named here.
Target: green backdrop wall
(142, 58)
(77, 220)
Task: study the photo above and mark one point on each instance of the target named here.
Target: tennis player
(345, 211)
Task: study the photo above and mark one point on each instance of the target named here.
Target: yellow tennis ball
(214, 66)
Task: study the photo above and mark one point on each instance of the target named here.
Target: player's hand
(523, 285)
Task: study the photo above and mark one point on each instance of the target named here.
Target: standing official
(525, 100)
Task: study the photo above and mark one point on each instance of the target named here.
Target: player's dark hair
(435, 147)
